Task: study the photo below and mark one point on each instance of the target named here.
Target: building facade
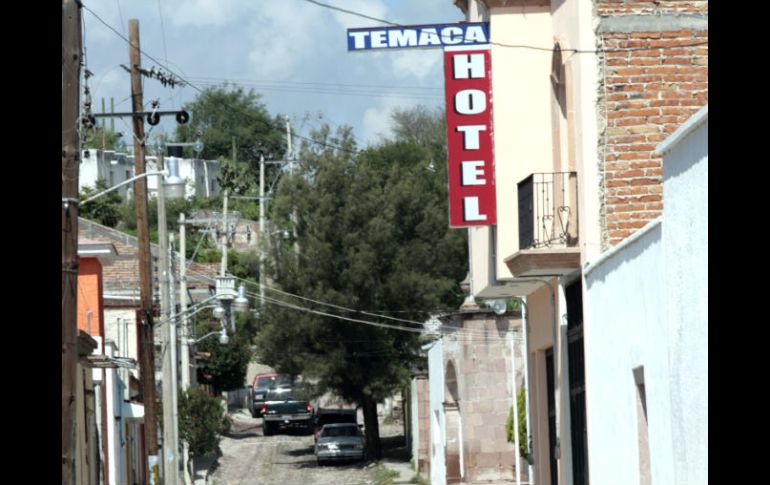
(582, 93)
(201, 176)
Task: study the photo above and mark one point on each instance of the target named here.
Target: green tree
(100, 138)
(372, 234)
(225, 368)
(222, 113)
(106, 209)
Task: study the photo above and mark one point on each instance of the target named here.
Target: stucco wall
(89, 298)
(120, 327)
(685, 246)
(437, 435)
(625, 328)
(521, 93)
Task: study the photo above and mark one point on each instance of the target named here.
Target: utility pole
(173, 361)
(70, 141)
(170, 441)
(144, 315)
(184, 334)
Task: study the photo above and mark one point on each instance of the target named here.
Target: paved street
(248, 458)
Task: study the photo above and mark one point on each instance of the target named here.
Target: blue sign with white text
(418, 36)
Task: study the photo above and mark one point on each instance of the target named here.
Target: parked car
(263, 383)
(326, 416)
(339, 441)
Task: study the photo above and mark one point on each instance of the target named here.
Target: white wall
(99, 164)
(685, 248)
(625, 328)
(437, 423)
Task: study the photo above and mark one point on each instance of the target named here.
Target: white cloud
(416, 63)
(377, 121)
(205, 13)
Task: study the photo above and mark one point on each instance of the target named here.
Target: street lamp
(241, 303)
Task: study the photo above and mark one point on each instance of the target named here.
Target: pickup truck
(283, 409)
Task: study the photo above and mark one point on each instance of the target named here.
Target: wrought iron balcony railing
(548, 214)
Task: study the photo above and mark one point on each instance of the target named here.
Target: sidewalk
(404, 469)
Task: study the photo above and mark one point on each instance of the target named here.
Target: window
(643, 438)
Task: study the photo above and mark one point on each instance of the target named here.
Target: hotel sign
(472, 198)
(468, 90)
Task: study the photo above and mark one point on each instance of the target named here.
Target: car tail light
(264, 408)
(309, 407)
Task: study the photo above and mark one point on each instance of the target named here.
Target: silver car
(339, 441)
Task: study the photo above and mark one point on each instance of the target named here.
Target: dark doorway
(551, 416)
(577, 383)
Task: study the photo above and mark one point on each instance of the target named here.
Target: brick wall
(644, 95)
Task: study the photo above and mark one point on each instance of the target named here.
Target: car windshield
(339, 431)
(336, 418)
(273, 381)
(279, 396)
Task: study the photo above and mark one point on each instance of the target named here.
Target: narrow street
(287, 458)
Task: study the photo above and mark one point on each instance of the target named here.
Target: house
(582, 93)
(121, 286)
(107, 408)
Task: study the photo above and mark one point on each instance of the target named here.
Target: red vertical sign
(468, 87)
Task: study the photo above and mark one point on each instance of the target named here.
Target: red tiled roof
(121, 278)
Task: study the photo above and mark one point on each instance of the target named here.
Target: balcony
(548, 226)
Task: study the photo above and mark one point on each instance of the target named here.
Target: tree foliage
(372, 234)
(225, 368)
(509, 428)
(105, 210)
(222, 113)
(97, 137)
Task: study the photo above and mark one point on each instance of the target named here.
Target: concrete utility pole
(184, 334)
(144, 315)
(70, 142)
(170, 440)
(171, 362)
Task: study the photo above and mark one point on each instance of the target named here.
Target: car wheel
(320, 462)
(267, 429)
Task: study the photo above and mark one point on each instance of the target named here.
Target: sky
(292, 52)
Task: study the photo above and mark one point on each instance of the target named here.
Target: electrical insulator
(153, 118)
(182, 117)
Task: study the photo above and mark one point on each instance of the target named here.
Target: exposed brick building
(654, 75)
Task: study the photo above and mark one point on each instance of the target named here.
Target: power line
(462, 334)
(191, 84)
(316, 83)
(357, 14)
(140, 50)
(514, 46)
(335, 92)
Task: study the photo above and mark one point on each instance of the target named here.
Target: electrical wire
(514, 46)
(466, 334)
(185, 80)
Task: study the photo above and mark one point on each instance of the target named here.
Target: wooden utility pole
(144, 315)
(70, 158)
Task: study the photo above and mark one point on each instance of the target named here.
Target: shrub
(523, 440)
(202, 420)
